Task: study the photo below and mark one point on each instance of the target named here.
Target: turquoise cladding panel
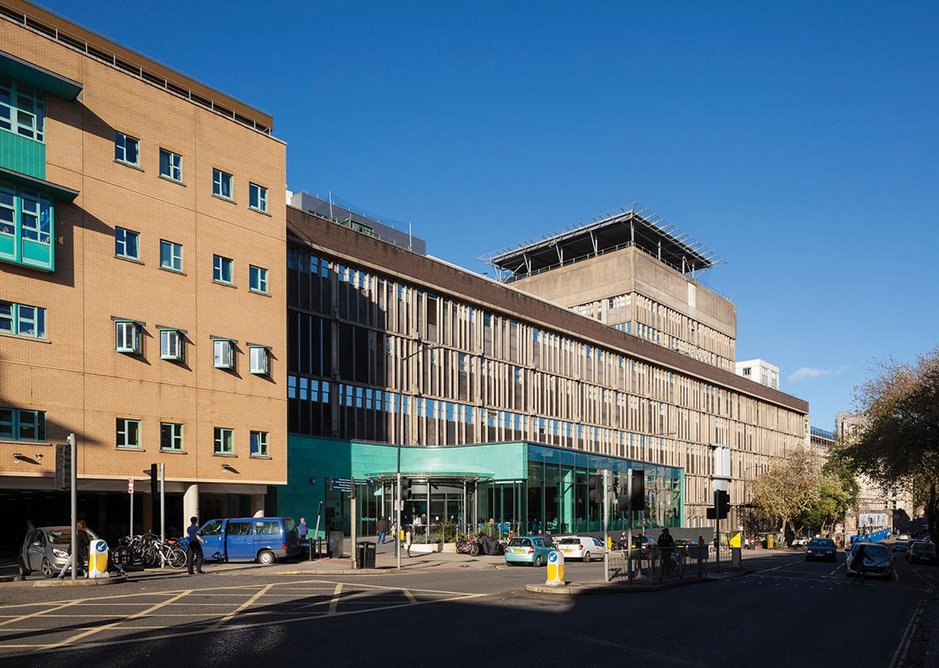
(23, 155)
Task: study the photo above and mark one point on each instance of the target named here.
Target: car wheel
(538, 561)
(24, 571)
(587, 557)
(266, 558)
(47, 569)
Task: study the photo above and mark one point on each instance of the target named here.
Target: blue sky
(797, 140)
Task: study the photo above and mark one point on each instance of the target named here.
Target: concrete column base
(191, 504)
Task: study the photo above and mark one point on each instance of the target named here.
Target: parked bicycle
(149, 551)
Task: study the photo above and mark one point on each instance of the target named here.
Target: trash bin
(365, 554)
(334, 546)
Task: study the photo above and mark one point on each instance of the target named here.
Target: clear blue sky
(799, 141)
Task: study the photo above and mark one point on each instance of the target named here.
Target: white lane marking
(837, 568)
(247, 604)
(899, 656)
(106, 627)
(409, 595)
(39, 613)
(770, 570)
(334, 602)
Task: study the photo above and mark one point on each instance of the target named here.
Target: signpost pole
(398, 505)
(73, 457)
(606, 528)
(163, 506)
(629, 535)
(130, 492)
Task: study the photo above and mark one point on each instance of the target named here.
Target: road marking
(837, 568)
(39, 613)
(334, 602)
(899, 656)
(409, 595)
(231, 615)
(769, 570)
(106, 627)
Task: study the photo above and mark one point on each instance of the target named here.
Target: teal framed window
(27, 227)
(171, 436)
(22, 110)
(257, 279)
(257, 197)
(22, 320)
(171, 165)
(171, 255)
(128, 433)
(259, 360)
(17, 424)
(259, 441)
(171, 345)
(127, 337)
(224, 441)
(126, 243)
(126, 149)
(222, 269)
(223, 352)
(222, 184)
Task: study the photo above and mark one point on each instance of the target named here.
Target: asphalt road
(784, 612)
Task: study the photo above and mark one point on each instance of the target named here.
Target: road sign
(63, 466)
(130, 485)
(341, 485)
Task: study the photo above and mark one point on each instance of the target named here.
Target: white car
(584, 548)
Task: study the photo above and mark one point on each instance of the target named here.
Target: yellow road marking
(38, 614)
(231, 615)
(409, 595)
(106, 627)
(334, 602)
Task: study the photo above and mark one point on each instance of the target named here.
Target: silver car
(47, 550)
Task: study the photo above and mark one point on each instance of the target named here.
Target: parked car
(799, 542)
(47, 550)
(584, 548)
(531, 550)
(901, 545)
(903, 537)
(821, 548)
(261, 539)
(923, 550)
(878, 561)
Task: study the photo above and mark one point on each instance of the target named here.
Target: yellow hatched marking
(334, 602)
(39, 613)
(247, 604)
(409, 595)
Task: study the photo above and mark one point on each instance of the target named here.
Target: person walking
(857, 564)
(82, 543)
(667, 546)
(408, 538)
(381, 526)
(194, 548)
(302, 529)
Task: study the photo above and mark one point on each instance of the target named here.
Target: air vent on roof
(9, 13)
(152, 78)
(179, 90)
(242, 119)
(106, 57)
(127, 67)
(222, 110)
(41, 27)
(71, 41)
(199, 100)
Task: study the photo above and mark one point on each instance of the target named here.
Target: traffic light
(721, 506)
(405, 488)
(154, 481)
(638, 490)
(63, 466)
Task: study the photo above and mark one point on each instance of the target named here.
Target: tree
(900, 445)
(838, 491)
(789, 489)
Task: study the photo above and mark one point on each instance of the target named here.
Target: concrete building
(759, 371)
(142, 290)
(497, 403)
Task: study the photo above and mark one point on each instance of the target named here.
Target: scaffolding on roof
(633, 227)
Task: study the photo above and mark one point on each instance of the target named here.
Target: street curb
(81, 582)
(574, 589)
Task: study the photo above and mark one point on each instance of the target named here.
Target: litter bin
(365, 554)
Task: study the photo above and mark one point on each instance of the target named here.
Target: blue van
(261, 539)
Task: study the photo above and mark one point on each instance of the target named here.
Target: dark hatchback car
(821, 548)
(922, 551)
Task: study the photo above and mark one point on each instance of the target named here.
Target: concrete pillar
(257, 505)
(191, 504)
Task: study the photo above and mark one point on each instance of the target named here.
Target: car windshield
(821, 542)
(569, 541)
(875, 551)
(519, 542)
(64, 536)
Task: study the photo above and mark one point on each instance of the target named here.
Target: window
(171, 165)
(26, 227)
(171, 436)
(221, 184)
(128, 433)
(222, 269)
(22, 320)
(22, 425)
(126, 243)
(224, 354)
(260, 358)
(171, 255)
(257, 279)
(257, 197)
(171, 344)
(127, 337)
(126, 149)
(259, 444)
(22, 110)
(224, 441)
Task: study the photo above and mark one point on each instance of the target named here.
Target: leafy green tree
(789, 489)
(838, 491)
(900, 445)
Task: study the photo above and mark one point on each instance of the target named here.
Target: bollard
(555, 569)
(98, 559)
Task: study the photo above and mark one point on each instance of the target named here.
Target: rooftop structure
(759, 371)
(636, 227)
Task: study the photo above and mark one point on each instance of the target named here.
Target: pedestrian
(302, 529)
(29, 526)
(416, 524)
(746, 543)
(381, 526)
(82, 543)
(667, 545)
(857, 563)
(425, 523)
(194, 547)
(408, 537)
